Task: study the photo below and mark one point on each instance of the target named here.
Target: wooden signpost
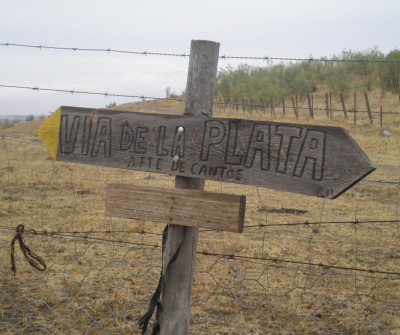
(307, 159)
(314, 160)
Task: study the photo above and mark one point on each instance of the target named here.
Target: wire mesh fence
(356, 108)
(302, 265)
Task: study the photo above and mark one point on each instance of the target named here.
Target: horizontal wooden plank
(307, 159)
(176, 206)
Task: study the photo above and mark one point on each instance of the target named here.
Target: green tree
(169, 94)
(111, 104)
(390, 72)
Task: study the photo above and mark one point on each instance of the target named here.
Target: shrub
(111, 104)
(390, 72)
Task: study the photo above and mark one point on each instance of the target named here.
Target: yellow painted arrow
(49, 132)
(307, 159)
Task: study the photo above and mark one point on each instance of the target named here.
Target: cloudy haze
(285, 28)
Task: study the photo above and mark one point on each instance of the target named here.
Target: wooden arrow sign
(307, 159)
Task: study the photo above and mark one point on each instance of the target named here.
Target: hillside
(341, 74)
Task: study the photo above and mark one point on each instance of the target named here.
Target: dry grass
(98, 286)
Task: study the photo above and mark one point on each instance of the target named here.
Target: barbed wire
(105, 94)
(184, 54)
(86, 237)
(181, 99)
(102, 50)
(259, 225)
(308, 223)
(276, 260)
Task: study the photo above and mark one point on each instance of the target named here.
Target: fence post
(368, 107)
(381, 110)
(327, 104)
(310, 106)
(262, 106)
(249, 107)
(355, 107)
(272, 108)
(283, 107)
(294, 109)
(330, 105)
(177, 288)
(343, 105)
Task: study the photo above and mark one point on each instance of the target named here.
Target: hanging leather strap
(155, 299)
(33, 259)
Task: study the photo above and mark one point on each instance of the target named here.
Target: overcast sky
(284, 28)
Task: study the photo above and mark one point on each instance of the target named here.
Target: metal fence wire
(302, 265)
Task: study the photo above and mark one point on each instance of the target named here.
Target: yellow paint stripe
(49, 132)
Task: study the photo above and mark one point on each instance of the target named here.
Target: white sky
(280, 28)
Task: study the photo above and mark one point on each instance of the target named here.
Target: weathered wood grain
(178, 206)
(307, 159)
(177, 291)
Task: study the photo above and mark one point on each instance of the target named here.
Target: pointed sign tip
(49, 132)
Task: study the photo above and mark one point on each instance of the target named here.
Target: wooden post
(294, 109)
(262, 107)
(309, 105)
(330, 104)
(355, 107)
(249, 107)
(343, 105)
(272, 108)
(368, 108)
(381, 110)
(312, 104)
(283, 107)
(327, 104)
(177, 291)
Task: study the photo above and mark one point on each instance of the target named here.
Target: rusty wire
(185, 54)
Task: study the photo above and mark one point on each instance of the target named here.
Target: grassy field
(102, 272)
